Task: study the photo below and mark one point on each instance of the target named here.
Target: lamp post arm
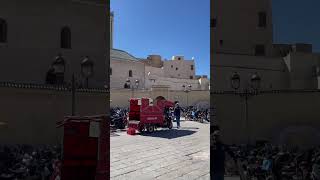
(87, 82)
(73, 91)
(132, 92)
(247, 117)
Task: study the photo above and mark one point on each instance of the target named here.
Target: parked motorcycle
(20, 162)
(119, 118)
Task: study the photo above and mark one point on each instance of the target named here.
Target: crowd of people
(192, 113)
(265, 161)
(28, 162)
(279, 162)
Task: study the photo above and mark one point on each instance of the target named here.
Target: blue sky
(164, 27)
(181, 27)
(297, 21)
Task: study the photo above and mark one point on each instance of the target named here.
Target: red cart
(144, 115)
(85, 148)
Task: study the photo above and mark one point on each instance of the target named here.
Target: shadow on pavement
(113, 134)
(170, 134)
(183, 128)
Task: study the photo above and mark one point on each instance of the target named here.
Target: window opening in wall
(3, 31)
(262, 19)
(191, 77)
(171, 66)
(191, 67)
(177, 69)
(65, 38)
(221, 42)
(179, 58)
(260, 50)
(130, 73)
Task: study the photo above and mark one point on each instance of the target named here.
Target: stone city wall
(29, 116)
(285, 117)
(120, 97)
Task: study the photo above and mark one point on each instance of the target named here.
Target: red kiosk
(144, 115)
(85, 148)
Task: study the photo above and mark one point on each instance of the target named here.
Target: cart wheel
(141, 129)
(170, 125)
(150, 128)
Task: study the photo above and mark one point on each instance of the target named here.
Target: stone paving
(231, 178)
(162, 155)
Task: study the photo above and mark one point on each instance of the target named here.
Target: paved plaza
(164, 154)
(231, 178)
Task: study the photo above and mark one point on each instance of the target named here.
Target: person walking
(206, 113)
(177, 112)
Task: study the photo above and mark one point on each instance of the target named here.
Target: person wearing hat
(218, 155)
(177, 112)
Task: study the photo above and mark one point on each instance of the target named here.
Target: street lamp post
(59, 68)
(255, 85)
(132, 87)
(87, 69)
(187, 89)
(73, 91)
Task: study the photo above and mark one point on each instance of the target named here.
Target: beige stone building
(154, 72)
(284, 111)
(32, 37)
(242, 43)
(35, 79)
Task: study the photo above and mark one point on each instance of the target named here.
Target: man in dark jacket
(177, 112)
(218, 155)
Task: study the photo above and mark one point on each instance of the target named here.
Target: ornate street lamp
(87, 69)
(132, 87)
(255, 81)
(187, 89)
(137, 83)
(254, 84)
(59, 68)
(59, 64)
(235, 81)
(128, 83)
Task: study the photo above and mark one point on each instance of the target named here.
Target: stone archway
(160, 98)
